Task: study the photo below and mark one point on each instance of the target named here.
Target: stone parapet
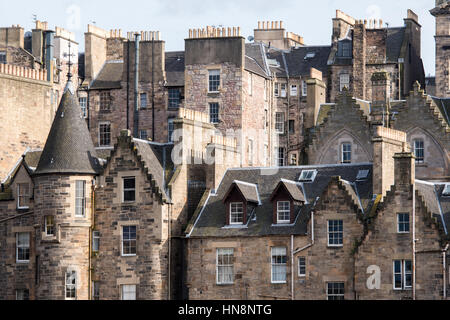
(23, 72)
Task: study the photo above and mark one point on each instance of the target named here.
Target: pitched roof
(174, 66)
(69, 148)
(248, 190)
(255, 60)
(293, 188)
(109, 76)
(444, 107)
(394, 42)
(210, 220)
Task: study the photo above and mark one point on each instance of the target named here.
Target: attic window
(446, 192)
(310, 55)
(362, 175)
(308, 176)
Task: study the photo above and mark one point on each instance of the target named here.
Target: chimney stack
(380, 98)
(315, 98)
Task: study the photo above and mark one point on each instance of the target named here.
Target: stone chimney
(316, 97)
(386, 144)
(380, 98)
(360, 59)
(404, 168)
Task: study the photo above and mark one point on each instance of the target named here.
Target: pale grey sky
(310, 19)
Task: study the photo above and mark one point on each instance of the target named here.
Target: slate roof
(444, 107)
(437, 204)
(109, 76)
(69, 148)
(394, 42)
(297, 65)
(211, 218)
(174, 66)
(248, 190)
(157, 159)
(255, 59)
(294, 189)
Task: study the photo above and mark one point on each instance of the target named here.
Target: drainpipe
(444, 271)
(153, 86)
(128, 84)
(136, 85)
(299, 250)
(414, 241)
(49, 54)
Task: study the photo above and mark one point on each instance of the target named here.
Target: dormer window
(236, 213)
(446, 192)
(283, 212)
(308, 176)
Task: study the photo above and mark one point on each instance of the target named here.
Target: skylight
(362, 175)
(446, 192)
(310, 55)
(308, 175)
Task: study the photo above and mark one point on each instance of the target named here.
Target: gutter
(444, 271)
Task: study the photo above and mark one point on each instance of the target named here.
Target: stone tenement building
(442, 14)
(33, 69)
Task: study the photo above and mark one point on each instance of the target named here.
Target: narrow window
(104, 134)
(335, 291)
(50, 225)
(403, 223)
(214, 112)
(301, 266)
(276, 90)
(402, 275)
(143, 100)
(304, 89)
(265, 154)
(143, 135)
(419, 151)
(83, 106)
(283, 90)
(265, 90)
(23, 195)
(283, 212)
(280, 152)
(129, 189)
(214, 80)
(291, 126)
(129, 292)
(250, 152)
(129, 241)
(293, 92)
(80, 198)
(279, 122)
(236, 213)
(3, 57)
(22, 247)
(346, 150)
(293, 159)
(346, 49)
(95, 241)
(250, 84)
(22, 294)
(174, 98)
(279, 265)
(170, 129)
(95, 290)
(344, 81)
(105, 101)
(225, 269)
(335, 233)
(71, 285)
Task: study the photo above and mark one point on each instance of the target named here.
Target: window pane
(129, 292)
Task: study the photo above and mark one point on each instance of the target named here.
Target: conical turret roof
(69, 148)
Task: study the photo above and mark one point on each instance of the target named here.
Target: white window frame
(308, 176)
(301, 265)
(3, 57)
(276, 90)
(83, 105)
(80, 200)
(128, 240)
(23, 246)
(293, 90)
(234, 213)
(95, 290)
(338, 295)
(345, 151)
(214, 117)
(21, 196)
(105, 101)
(277, 252)
(283, 90)
(128, 189)
(212, 81)
(143, 135)
(446, 191)
(143, 100)
(95, 241)
(402, 274)
(129, 289)
(250, 151)
(174, 99)
(281, 210)
(402, 222)
(281, 156)
(47, 226)
(335, 233)
(104, 134)
(170, 129)
(419, 160)
(70, 275)
(223, 276)
(344, 81)
(304, 88)
(279, 122)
